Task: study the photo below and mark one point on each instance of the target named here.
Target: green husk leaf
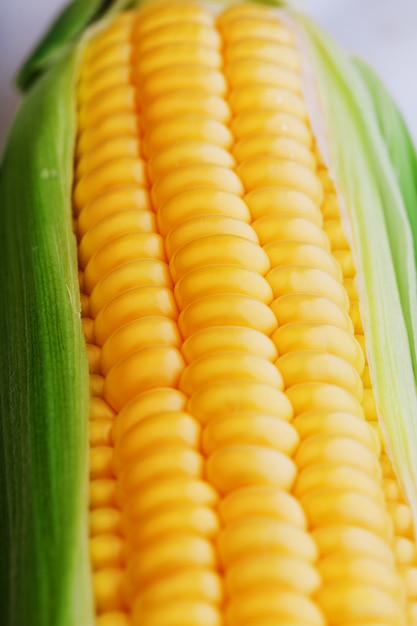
(45, 573)
(381, 234)
(66, 29)
(398, 141)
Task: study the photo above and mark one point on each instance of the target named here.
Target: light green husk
(45, 575)
(379, 209)
(398, 141)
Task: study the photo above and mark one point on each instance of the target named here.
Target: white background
(384, 32)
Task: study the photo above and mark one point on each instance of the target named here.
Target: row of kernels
(107, 74)
(107, 545)
(125, 272)
(177, 530)
(108, 138)
(256, 510)
(285, 235)
(339, 488)
(268, 519)
(105, 222)
(384, 579)
(169, 515)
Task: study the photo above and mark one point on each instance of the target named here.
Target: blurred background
(383, 32)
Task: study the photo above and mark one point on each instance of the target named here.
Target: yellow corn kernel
(258, 27)
(292, 251)
(282, 605)
(112, 201)
(305, 307)
(164, 428)
(199, 174)
(234, 338)
(192, 101)
(216, 250)
(180, 31)
(108, 589)
(226, 309)
(167, 554)
(168, 492)
(112, 148)
(345, 567)
(195, 583)
(246, 97)
(337, 423)
(228, 366)
(264, 502)
(199, 201)
(187, 76)
(188, 518)
(221, 278)
(251, 146)
(106, 550)
(101, 462)
(137, 273)
(315, 336)
(250, 428)
(245, 537)
(102, 80)
(330, 448)
(105, 521)
(260, 48)
(239, 466)
(334, 538)
(174, 460)
(117, 171)
(111, 227)
(100, 431)
(314, 396)
(212, 224)
(161, 366)
(246, 70)
(192, 150)
(136, 335)
(119, 123)
(328, 507)
(161, 57)
(113, 618)
(193, 612)
(190, 127)
(303, 366)
(267, 171)
(121, 250)
(265, 570)
(146, 404)
(294, 279)
(218, 398)
(274, 230)
(142, 303)
(334, 475)
(355, 602)
(267, 201)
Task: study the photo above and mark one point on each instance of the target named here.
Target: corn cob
(238, 471)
